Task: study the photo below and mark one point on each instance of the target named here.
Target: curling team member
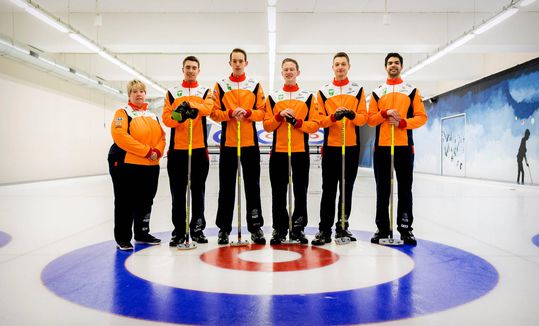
(190, 101)
(238, 99)
(336, 101)
(395, 103)
(295, 107)
(133, 159)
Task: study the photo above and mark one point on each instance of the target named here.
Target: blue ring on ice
(4, 239)
(443, 277)
(535, 240)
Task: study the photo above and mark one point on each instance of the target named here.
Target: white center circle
(269, 256)
(360, 264)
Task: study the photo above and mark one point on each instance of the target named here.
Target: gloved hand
(339, 115)
(192, 114)
(350, 114)
(291, 121)
(180, 113)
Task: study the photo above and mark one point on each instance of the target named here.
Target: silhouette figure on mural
(522, 155)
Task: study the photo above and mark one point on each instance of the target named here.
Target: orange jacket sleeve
(259, 113)
(325, 120)
(217, 113)
(361, 111)
(167, 111)
(313, 122)
(420, 115)
(375, 115)
(270, 122)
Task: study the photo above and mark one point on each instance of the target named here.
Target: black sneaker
(258, 237)
(149, 239)
(199, 237)
(345, 233)
(124, 246)
(408, 238)
(321, 238)
(299, 236)
(277, 237)
(379, 235)
(222, 238)
(176, 240)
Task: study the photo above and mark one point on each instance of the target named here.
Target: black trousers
(250, 166)
(404, 166)
(278, 171)
(177, 172)
(135, 187)
(331, 180)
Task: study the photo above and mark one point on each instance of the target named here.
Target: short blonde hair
(135, 84)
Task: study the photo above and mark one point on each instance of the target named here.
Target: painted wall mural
(484, 140)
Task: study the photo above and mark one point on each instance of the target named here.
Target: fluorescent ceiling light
(41, 15)
(84, 41)
(525, 3)
(450, 47)
(272, 42)
(272, 19)
(54, 64)
(496, 20)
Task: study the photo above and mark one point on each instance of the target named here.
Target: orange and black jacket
(302, 102)
(138, 133)
(198, 97)
(233, 92)
(341, 93)
(403, 97)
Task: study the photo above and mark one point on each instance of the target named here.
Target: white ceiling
(154, 36)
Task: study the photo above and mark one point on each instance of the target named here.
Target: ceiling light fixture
(485, 26)
(55, 22)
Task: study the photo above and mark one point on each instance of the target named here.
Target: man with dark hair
(290, 113)
(185, 104)
(239, 100)
(395, 105)
(342, 108)
(521, 155)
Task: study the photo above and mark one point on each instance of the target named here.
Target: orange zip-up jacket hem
(302, 102)
(230, 93)
(144, 133)
(344, 94)
(199, 97)
(406, 99)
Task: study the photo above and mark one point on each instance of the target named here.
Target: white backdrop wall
(51, 128)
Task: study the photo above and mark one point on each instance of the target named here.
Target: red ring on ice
(311, 257)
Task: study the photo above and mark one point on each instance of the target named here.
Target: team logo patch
(180, 93)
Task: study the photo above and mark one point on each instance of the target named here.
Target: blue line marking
(443, 277)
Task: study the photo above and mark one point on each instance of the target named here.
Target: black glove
(192, 114)
(350, 114)
(291, 121)
(180, 113)
(339, 115)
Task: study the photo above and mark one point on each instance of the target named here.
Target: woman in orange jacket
(133, 159)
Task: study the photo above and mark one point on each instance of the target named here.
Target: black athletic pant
(278, 171)
(404, 166)
(331, 180)
(135, 187)
(177, 173)
(250, 167)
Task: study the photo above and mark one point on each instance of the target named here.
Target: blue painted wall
(498, 109)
